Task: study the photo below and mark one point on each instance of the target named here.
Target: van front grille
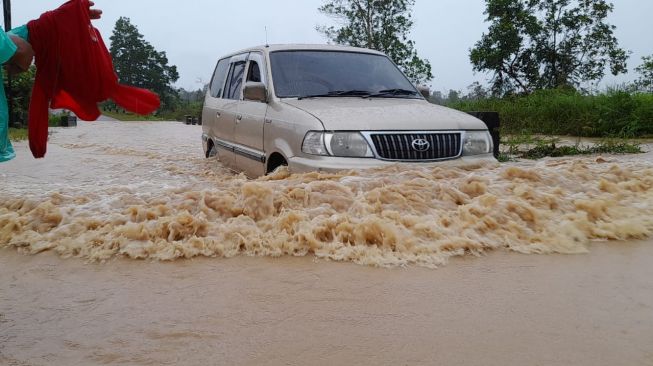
(417, 146)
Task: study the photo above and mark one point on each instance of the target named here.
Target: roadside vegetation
(540, 55)
(617, 113)
(20, 133)
(188, 107)
(531, 125)
(17, 134)
(129, 117)
(533, 147)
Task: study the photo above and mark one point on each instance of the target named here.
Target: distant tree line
(476, 91)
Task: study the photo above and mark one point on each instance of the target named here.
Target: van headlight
(477, 143)
(314, 144)
(340, 144)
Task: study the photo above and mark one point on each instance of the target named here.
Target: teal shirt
(7, 51)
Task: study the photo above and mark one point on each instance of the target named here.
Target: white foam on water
(383, 218)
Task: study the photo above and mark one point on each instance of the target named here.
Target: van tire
(276, 160)
(211, 151)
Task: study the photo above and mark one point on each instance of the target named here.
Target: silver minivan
(328, 108)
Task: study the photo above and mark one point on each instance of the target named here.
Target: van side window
(235, 80)
(219, 77)
(254, 73)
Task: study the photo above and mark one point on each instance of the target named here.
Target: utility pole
(6, 5)
(6, 8)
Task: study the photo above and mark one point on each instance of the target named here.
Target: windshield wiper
(338, 93)
(392, 93)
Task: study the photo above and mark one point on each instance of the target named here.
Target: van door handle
(239, 117)
(218, 114)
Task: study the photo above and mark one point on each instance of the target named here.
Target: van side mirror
(424, 90)
(255, 91)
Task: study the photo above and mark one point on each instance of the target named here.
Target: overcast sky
(194, 33)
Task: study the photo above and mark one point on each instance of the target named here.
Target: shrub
(616, 113)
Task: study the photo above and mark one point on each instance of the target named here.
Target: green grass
(504, 158)
(17, 134)
(520, 146)
(557, 151)
(565, 112)
(178, 113)
(131, 117)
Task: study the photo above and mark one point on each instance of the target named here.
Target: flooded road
(111, 192)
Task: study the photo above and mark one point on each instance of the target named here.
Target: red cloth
(74, 71)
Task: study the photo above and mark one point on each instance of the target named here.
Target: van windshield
(307, 74)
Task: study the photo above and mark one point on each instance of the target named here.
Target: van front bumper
(331, 164)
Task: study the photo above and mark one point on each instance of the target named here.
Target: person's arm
(15, 52)
(22, 57)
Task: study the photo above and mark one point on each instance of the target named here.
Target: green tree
(139, 64)
(543, 44)
(645, 71)
(382, 25)
(437, 98)
(453, 96)
(476, 91)
(21, 91)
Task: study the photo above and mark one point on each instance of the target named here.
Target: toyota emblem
(421, 145)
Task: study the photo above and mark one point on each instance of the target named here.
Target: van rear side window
(219, 77)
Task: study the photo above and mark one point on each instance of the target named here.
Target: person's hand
(23, 57)
(95, 13)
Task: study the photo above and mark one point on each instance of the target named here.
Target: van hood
(366, 114)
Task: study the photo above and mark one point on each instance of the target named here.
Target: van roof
(305, 47)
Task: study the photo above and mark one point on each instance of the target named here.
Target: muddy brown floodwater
(113, 251)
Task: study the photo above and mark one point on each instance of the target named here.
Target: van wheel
(211, 151)
(276, 161)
